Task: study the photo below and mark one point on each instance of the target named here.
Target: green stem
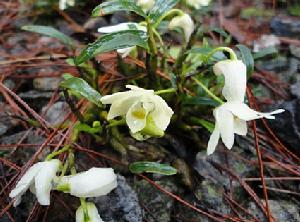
(116, 123)
(54, 154)
(170, 90)
(208, 91)
(85, 209)
(226, 49)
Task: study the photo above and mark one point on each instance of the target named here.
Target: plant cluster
(175, 89)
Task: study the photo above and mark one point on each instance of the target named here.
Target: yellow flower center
(139, 113)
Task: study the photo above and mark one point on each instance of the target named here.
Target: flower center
(139, 113)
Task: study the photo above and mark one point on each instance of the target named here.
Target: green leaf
(247, 58)
(81, 87)
(113, 41)
(52, 32)
(152, 167)
(206, 124)
(200, 101)
(118, 5)
(265, 52)
(160, 8)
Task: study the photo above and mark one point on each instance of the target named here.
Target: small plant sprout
(185, 22)
(197, 4)
(146, 5)
(91, 214)
(147, 115)
(38, 178)
(92, 183)
(232, 115)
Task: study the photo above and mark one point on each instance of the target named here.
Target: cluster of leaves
(192, 60)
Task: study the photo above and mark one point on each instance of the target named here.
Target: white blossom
(39, 179)
(231, 119)
(92, 183)
(235, 73)
(184, 22)
(139, 106)
(122, 27)
(197, 4)
(92, 213)
(63, 4)
(146, 5)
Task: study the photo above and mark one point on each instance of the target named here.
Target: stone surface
(56, 113)
(286, 26)
(121, 205)
(6, 122)
(295, 89)
(288, 120)
(282, 211)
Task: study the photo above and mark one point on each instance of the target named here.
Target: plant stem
(170, 90)
(207, 91)
(226, 49)
(54, 154)
(72, 106)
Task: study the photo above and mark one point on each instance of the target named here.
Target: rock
(265, 41)
(283, 211)
(35, 94)
(158, 204)
(295, 51)
(288, 120)
(277, 64)
(295, 89)
(56, 113)
(47, 83)
(6, 122)
(121, 205)
(286, 26)
(92, 24)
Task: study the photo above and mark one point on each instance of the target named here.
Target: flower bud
(184, 22)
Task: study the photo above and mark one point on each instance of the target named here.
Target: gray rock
(47, 83)
(295, 51)
(121, 205)
(6, 122)
(287, 124)
(56, 113)
(158, 205)
(295, 89)
(286, 26)
(93, 24)
(282, 211)
(35, 94)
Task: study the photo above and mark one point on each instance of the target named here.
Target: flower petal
(244, 112)
(213, 141)
(125, 51)
(136, 117)
(92, 183)
(43, 180)
(235, 73)
(240, 127)
(119, 27)
(162, 113)
(25, 182)
(224, 122)
(185, 22)
(92, 212)
(146, 5)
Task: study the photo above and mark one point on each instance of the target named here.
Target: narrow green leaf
(160, 8)
(206, 124)
(152, 167)
(112, 6)
(265, 52)
(200, 101)
(81, 87)
(113, 41)
(247, 58)
(50, 31)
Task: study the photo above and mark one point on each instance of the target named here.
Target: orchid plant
(169, 95)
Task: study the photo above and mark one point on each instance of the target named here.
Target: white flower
(39, 178)
(146, 5)
(140, 107)
(231, 119)
(197, 4)
(185, 22)
(92, 213)
(235, 73)
(63, 4)
(92, 183)
(122, 27)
